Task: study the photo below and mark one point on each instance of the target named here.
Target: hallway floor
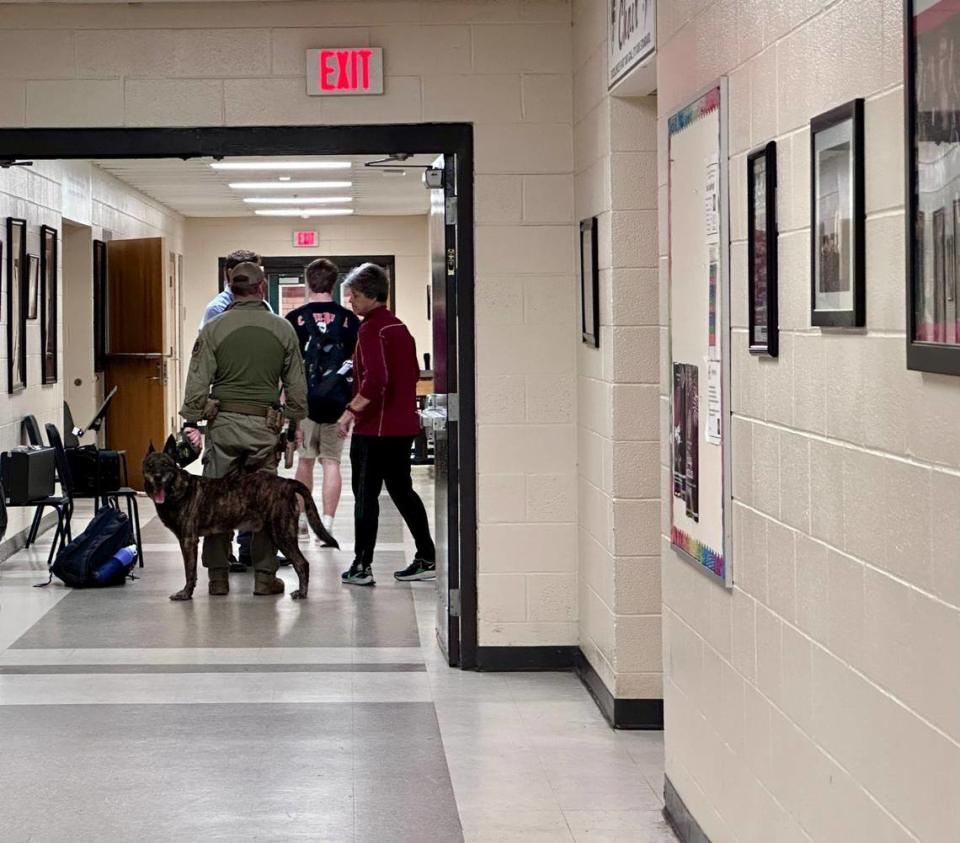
(124, 716)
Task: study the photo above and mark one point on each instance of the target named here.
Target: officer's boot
(219, 584)
(264, 583)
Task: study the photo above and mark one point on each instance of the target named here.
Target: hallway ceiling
(194, 189)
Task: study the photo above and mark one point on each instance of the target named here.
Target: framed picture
(33, 286)
(837, 218)
(48, 304)
(589, 283)
(932, 109)
(16, 300)
(99, 305)
(762, 249)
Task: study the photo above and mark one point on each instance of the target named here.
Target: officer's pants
(229, 437)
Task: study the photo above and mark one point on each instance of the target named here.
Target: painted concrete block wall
(618, 403)
(505, 66)
(405, 237)
(818, 701)
(96, 199)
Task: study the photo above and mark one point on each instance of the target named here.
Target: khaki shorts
(320, 440)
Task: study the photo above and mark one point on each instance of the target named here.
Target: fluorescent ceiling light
(303, 212)
(289, 185)
(281, 165)
(297, 200)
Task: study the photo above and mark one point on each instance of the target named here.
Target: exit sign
(306, 239)
(345, 71)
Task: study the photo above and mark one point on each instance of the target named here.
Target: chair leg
(35, 526)
(132, 502)
(56, 538)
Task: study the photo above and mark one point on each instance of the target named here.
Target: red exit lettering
(345, 70)
(305, 239)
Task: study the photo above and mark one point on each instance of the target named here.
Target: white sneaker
(303, 528)
(327, 523)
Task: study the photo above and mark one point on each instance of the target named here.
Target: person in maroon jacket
(384, 420)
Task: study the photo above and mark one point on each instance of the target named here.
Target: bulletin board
(700, 510)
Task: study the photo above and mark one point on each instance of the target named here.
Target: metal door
(442, 413)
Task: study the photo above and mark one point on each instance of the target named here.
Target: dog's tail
(313, 516)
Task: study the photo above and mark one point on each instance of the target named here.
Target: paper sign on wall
(711, 201)
(714, 430)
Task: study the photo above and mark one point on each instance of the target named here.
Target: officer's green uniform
(240, 359)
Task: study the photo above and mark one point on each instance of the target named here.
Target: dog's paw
(182, 595)
(299, 594)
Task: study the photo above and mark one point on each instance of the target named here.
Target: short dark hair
(322, 275)
(238, 256)
(245, 278)
(369, 280)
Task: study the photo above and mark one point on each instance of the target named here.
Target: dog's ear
(170, 447)
(150, 450)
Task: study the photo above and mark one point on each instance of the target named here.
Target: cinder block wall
(819, 700)
(615, 158)
(506, 67)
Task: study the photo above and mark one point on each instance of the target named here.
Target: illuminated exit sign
(306, 239)
(345, 71)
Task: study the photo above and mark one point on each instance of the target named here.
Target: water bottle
(116, 567)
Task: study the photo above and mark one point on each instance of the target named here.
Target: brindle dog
(191, 507)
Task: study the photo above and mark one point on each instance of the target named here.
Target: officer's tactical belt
(244, 408)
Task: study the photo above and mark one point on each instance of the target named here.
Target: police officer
(238, 363)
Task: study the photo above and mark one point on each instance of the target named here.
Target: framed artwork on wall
(762, 250)
(932, 110)
(589, 283)
(48, 304)
(33, 286)
(16, 300)
(99, 305)
(837, 256)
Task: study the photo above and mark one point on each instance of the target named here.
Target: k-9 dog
(191, 507)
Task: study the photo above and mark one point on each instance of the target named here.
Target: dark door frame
(449, 139)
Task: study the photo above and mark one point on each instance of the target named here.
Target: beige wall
(42, 194)
(505, 66)
(618, 407)
(818, 701)
(404, 237)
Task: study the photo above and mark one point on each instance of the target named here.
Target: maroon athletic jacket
(385, 372)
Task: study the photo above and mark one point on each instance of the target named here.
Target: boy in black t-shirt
(319, 438)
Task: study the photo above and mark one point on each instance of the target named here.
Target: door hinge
(455, 602)
(453, 406)
(451, 261)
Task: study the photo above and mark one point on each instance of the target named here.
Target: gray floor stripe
(212, 668)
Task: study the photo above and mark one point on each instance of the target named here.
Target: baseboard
(526, 658)
(621, 713)
(684, 824)
(18, 541)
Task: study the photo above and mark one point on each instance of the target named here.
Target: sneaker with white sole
(358, 574)
(419, 569)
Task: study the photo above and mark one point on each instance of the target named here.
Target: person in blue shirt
(224, 299)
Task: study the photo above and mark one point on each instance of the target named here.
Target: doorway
(455, 410)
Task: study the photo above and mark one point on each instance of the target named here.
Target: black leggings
(379, 460)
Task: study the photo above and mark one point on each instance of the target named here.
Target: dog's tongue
(159, 496)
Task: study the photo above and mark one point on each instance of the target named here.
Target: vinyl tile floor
(126, 717)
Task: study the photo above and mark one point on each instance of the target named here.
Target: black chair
(61, 504)
(30, 431)
(70, 439)
(111, 497)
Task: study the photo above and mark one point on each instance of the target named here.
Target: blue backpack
(79, 564)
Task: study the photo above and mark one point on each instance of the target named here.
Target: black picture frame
(16, 305)
(32, 305)
(838, 245)
(589, 283)
(932, 221)
(49, 265)
(99, 305)
(762, 257)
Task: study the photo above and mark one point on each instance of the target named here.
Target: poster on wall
(699, 334)
(632, 37)
(932, 107)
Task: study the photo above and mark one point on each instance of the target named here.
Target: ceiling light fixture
(290, 185)
(303, 212)
(296, 200)
(281, 165)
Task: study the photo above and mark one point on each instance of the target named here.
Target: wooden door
(135, 361)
